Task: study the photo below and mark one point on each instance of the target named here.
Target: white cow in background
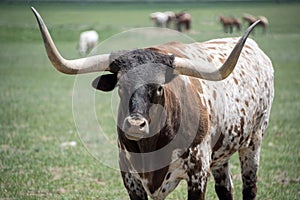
(162, 19)
(87, 41)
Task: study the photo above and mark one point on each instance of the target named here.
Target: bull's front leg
(199, 171)
(197, 185)
(134, 187)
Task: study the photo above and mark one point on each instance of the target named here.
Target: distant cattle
(230, 22)
(87, 41)
(162, 19)
(184, 110)
(183, 20)
(250, 19)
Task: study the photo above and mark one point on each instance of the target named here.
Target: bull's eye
(159, 91)
(157, 94)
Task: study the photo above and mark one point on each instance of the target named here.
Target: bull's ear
(105, 82)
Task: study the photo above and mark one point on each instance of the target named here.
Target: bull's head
(140, 75)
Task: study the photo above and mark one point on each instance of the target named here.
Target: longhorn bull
(179, 118)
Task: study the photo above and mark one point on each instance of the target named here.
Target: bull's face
(142, 95)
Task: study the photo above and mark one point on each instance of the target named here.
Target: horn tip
(248, 31)
(36, 13)
(33, 10)
(253, 25)
(38, 17)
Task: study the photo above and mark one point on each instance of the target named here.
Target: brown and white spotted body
(234, 113)
(238, 109)
(181, 118)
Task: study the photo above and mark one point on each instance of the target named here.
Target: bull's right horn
(77, 66)
(187, 67)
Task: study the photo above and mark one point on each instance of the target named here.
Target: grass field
(36, 101)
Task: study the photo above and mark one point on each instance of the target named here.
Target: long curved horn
(187, 67)
(77, 66)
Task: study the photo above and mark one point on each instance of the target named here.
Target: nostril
(142, 125)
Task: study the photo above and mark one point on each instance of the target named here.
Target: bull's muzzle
(136, 127)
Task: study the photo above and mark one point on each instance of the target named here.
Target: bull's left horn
(77, 66)
(187, 67)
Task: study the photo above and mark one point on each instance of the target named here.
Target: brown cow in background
(183, 19)
(251, 19)
(230, 22)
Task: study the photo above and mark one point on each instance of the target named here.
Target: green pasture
(36, 101)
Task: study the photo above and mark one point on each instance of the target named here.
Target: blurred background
(41, 155)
